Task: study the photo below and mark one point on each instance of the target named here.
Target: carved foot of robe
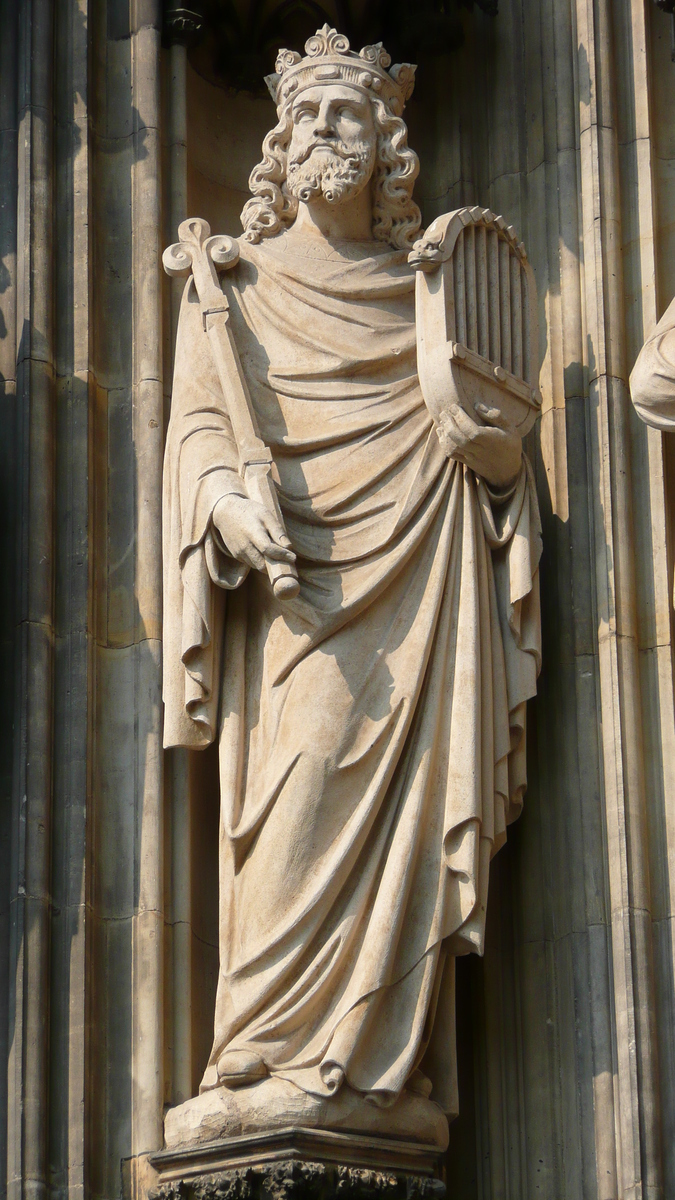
(275, 1103)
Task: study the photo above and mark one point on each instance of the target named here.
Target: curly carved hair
(396, 217)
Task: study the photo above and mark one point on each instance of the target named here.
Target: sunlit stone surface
(558, 116)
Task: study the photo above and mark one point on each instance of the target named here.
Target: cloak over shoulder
(372, 732)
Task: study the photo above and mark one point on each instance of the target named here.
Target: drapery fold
(652, 382)
(372, 732)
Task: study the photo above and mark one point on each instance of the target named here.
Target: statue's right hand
(250, 533)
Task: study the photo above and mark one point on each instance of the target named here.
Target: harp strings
(489, 300)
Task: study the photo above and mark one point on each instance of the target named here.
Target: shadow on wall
(237, 45)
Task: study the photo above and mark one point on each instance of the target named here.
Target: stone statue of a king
(371, 728)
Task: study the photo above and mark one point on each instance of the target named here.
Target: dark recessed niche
(234, 42)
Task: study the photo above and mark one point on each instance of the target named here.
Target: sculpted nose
(323, 126)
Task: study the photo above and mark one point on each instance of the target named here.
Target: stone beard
(371, 732)
(337, 172)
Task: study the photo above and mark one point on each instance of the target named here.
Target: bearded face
(333, 144)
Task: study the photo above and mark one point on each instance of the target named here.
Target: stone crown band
(330, 60)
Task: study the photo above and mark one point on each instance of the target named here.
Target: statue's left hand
(493, 450)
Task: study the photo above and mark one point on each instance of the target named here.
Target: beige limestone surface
(275, 1104)
(371, 729)
(559, 116)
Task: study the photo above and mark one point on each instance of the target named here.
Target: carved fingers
(282, 551)
(494, 416)
(250, 533)
(492, 450)
(456, 431)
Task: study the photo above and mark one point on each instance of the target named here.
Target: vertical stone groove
(180, 1066)
(31, 858)
(148, 430)
(638, 1151)
(8, 327)
(73, 677)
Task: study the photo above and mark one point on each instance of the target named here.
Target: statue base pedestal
(299, 1164)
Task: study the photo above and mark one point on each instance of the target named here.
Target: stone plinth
(299, 1163)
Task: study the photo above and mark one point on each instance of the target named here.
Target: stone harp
(476, 313)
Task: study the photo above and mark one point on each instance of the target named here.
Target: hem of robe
(310, 1077)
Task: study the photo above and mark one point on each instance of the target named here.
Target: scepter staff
(200, 255)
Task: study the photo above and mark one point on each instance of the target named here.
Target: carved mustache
(355, 153)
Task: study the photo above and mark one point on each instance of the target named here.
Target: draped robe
(652, 382)
(371, 732)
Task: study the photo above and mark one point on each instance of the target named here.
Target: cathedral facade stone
(119, 120)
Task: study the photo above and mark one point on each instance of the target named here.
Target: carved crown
(330, 60)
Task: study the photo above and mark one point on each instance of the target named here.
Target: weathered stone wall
(559, 115)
